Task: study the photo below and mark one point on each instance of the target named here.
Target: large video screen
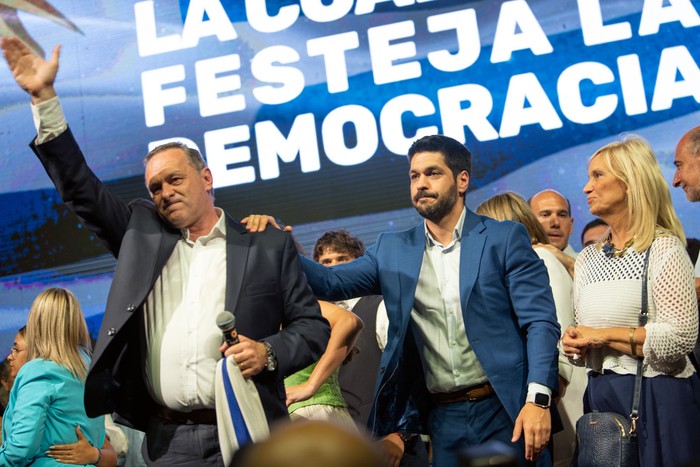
(304, 109)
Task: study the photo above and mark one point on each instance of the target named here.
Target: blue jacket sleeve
(33, 398)
(528, 286)
(358, 278)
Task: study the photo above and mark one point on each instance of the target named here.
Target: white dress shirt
(182, 338)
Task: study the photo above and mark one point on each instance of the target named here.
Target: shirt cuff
(48, 120)
(533, 388)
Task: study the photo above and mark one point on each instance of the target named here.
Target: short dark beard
(438, 210)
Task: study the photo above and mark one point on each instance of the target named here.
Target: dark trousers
(669, 409)
(454, 427)
(169, 444)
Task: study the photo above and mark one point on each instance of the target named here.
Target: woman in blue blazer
(46, 401)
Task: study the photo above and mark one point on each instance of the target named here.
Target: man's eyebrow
(425, 169)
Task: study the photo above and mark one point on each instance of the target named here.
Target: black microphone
(227, 323)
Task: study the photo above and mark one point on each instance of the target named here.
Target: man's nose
(167, 190)
(676, 179)
(422, 183)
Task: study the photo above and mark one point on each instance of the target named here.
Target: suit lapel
(408, 263)
(237, 248)
(470, 256)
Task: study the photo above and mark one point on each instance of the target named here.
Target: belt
(472, 394)
(196, 417)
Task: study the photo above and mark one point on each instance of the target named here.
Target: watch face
(542, 399)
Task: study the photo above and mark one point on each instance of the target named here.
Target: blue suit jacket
(507, 305)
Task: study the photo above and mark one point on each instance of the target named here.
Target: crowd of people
(474, 327)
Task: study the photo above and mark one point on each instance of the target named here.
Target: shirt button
(457, 373)
(453, 343)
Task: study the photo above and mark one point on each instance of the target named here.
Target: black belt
(196, 417)
(475, 393)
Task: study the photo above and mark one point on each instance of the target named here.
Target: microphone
(227, 323)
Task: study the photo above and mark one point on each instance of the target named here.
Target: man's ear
(208, 179)
(462, 182)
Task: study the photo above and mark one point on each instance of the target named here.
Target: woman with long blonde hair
(628, 191)
(46, 405)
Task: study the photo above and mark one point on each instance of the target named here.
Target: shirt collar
(456, 235)
(218, 231)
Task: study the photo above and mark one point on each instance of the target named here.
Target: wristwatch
(540, 399)
(271, 364)
(405, 437)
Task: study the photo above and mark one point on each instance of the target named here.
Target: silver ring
(575, 357)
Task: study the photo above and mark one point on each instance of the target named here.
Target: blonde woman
(628, 191)
(572, 380)
(46, 401)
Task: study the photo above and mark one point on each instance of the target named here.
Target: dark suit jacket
(265, 289)
(507, 307)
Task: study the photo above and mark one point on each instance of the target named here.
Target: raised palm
(32, 73)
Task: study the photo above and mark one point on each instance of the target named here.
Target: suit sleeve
(29, 412)
(358, 278)
(102, 212)
(531, 296)
(305, 332)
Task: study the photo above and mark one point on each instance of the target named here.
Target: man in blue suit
(472, 346)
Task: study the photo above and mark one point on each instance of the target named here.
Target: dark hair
(693, 248)
(194, 158)
(594, 223)
(5, 369)
(456, 155)
(339, 241)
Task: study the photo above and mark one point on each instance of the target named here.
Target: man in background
(687, 177)
(553, 211)
(593, 231)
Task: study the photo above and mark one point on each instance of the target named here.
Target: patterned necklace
(610, 251)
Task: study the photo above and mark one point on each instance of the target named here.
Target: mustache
(424, 194)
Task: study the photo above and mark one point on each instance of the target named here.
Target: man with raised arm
(180, 262)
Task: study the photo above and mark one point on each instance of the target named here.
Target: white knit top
(608, 294)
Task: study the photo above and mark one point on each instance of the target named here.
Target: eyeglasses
(14, 351)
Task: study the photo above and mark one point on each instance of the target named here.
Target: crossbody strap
(643, 315)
